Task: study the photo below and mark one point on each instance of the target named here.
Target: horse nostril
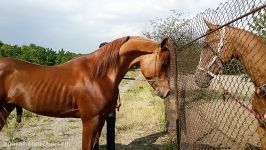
(168, 93)
(150, 82)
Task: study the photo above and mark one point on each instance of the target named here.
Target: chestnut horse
(229, 42)
(85, 87)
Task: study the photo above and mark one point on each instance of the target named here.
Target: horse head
(154, 67)
(216, 53)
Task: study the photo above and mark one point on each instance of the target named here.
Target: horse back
(37, 88)
(14, 71)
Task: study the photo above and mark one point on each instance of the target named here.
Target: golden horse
(230, 42)
(85, 87)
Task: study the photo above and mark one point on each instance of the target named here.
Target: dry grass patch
(141, 114)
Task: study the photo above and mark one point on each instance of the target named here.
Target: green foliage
(176, 27)
(171, 26)
(134, 68)
(1, 43)
(36, 54)
(63, 56)
(259, 23)
(234, 67)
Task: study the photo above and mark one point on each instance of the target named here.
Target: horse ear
(165, 42)
(210, 25)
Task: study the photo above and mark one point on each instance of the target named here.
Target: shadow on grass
(145, 143)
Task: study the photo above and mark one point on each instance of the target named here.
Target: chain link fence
(221, 78)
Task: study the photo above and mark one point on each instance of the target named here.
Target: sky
(81, 25)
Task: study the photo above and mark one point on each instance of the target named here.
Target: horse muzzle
(161, 92)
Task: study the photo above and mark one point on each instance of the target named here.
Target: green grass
(171, 145)
(10, 128)
(143, 113)
(73, 120)
(242, 97)
(130, 74)
(28, 114)
(29, 120)
(51, 138)
(126, 127)
(146, 109)
(199, 94)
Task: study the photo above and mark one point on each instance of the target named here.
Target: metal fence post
(171, 102)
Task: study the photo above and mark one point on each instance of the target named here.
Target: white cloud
(80, 25)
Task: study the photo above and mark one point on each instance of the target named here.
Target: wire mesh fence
(221, 78)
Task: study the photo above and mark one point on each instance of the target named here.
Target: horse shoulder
(95, 96)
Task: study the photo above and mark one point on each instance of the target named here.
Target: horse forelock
(108, 57)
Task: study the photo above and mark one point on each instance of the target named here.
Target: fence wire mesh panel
(221, 66)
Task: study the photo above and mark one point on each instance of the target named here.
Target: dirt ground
(210, 122)
(140, 125)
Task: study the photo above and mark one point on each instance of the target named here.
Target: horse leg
(4, 113)
(90, 132)
(259, 106)
(19, 113)
(99, 131)
(262, 134)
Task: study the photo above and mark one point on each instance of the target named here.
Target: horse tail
(5, 110)
(2, 120)
(19, 111)
(5, 72)
(3, 116)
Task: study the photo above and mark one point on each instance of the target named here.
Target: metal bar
(178, 122)
(129, 78)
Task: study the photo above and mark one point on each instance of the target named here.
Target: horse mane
(108, 55)
(165, 56)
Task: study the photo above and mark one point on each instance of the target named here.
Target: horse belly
(45, 100)
(57, 106)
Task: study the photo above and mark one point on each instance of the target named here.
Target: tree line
(36, 54)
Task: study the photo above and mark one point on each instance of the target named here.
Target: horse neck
(251, 50)
(131, 53)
